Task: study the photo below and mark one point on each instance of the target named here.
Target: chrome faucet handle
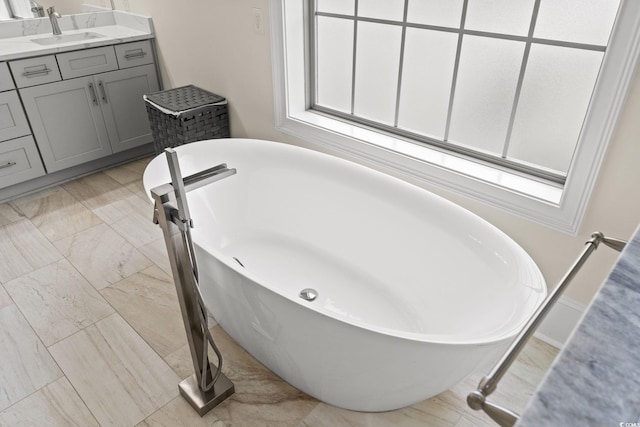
(51, 11)
(37, 9)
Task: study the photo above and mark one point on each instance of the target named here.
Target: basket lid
(185, 98)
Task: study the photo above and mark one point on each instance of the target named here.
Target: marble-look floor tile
(137, 187)
(148, 302)
(96, 190)
(5, 300)
(129, 172)
(466, 422)
(517, 386)
(438, 411)
(102, 255)
(23, 248)
(57, 301)
(178, 413)
(156, 251)
(125, 174)
(56, 213)
(180, 361)
(56, 405)
(118, 376)
(138, 227)
(141, 164)
(261, 397)
(26, 365)
(130, 205)
(9, 214)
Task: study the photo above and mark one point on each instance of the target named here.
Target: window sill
(425, 159)
(516, 193)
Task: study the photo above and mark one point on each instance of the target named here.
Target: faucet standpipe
(53, 17)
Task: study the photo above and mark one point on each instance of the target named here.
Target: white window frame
(560, 207)
(21, 8)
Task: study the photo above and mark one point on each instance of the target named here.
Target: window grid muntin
(456, 69)
(403, 38)
(499, 160)
(523, 69)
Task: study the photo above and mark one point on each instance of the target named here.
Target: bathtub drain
(308, 294)
(238, 261)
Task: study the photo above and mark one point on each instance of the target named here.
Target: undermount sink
(66, 38)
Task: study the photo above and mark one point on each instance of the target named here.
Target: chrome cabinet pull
(139, 54)
(102, 92)
(93, 94)
(8, 165)
(33, 73)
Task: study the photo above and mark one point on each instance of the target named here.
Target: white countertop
(112, 26)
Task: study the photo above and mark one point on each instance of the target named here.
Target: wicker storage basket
(186, 114)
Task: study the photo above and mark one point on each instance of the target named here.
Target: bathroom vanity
(72, 103)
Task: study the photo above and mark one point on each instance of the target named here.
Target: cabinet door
(123, 108)
(6, 82)
(67, 122)
(13, 123)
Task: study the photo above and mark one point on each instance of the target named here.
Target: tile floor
(91, 334)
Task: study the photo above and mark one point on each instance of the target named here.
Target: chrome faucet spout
(53, 17)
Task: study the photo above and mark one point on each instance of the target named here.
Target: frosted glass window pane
(485, 90)
(381, 9)
(444, 13)
(4, 11)
(377, 64)
(500, 16)
(20, 8)
(581, 21)
(335, 59)
(555, 96)
(343, 7)
(429, 58)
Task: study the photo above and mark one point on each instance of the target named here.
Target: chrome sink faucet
(53, 17)
(37, 9)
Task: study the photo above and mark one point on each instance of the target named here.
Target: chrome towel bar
(477, 399)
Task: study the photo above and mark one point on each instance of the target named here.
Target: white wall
(211, 43)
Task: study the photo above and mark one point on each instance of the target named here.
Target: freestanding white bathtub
(413, 292)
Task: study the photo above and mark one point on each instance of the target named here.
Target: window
(510, 102)
(5, 13)
(16, 9)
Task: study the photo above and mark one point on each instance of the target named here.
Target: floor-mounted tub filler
(361, 290)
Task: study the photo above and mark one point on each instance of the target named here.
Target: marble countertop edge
(16, 38)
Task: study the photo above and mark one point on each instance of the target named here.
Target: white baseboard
(557, 327)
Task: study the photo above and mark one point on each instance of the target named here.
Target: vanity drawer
(86, 62)
(6, 82)
(35, 71)
(134, 54)
(19, 161)
(13, 122)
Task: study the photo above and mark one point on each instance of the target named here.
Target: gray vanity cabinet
(67, 122)
(123, 107)
(19, 159)
(86, 118)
